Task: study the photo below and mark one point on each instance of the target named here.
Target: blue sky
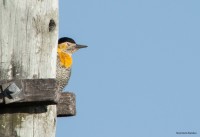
(140, 75)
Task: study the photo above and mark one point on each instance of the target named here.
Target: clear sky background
(140, 75)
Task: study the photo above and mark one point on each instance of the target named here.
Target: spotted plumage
(66, 47)
(62, 75)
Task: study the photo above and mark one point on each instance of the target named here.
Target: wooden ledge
(66, 105)
(22, 93)
(28, 92)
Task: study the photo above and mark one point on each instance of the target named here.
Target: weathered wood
(28, 41)
(35, 91)
(66, 105)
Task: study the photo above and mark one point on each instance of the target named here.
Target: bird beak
(78, 46)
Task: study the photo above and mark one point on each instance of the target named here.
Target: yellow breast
(65, 59)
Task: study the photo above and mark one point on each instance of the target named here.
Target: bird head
(66, 47)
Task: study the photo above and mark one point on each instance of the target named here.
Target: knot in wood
(52, 25)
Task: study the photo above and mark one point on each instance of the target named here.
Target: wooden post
(28, 41)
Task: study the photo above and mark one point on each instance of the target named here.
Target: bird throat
(65, 59)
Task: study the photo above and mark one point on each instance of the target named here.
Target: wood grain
(28, 51)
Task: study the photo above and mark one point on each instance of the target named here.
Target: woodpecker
(66, 47)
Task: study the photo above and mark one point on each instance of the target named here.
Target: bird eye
(68, 44)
